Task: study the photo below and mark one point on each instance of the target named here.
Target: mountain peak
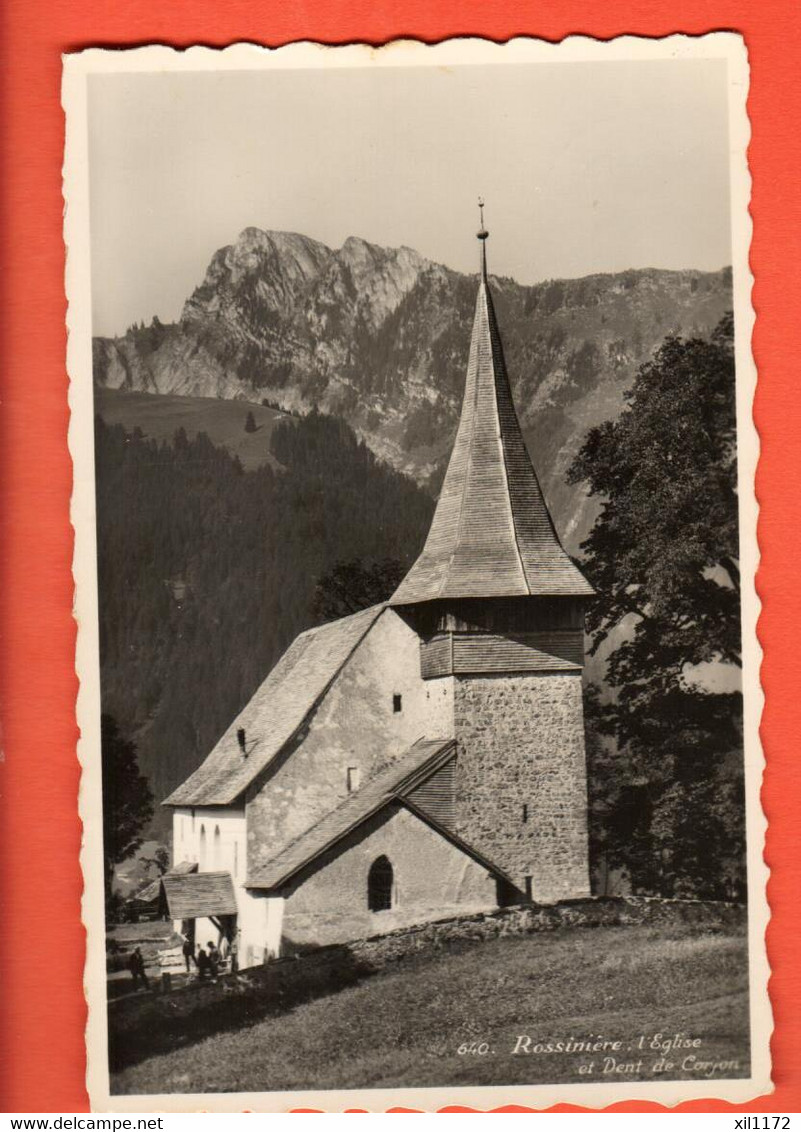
(255, 244)
(262, 270)
(355, 244)
(273, 239)
(383, 276)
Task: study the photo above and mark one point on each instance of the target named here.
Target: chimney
(240, 738)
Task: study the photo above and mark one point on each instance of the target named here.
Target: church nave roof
(276, 711)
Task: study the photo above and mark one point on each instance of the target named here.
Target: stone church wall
(432, 878)
(521, 744)
(354, 726)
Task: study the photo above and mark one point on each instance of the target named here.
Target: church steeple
(483, 235)
(491, 535)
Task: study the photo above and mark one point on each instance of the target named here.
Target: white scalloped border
(399, 53)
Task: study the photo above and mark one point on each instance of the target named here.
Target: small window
(215, 855)
(354, 777)
(202, 847)
(527, 881)
(379, 885)
(525, 811)
(397, 702)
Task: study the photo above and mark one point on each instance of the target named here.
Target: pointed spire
(492, 534)
(483, 235)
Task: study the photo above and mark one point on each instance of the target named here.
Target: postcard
(415, 551)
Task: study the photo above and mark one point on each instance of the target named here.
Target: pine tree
(127, 799)
(354, 585)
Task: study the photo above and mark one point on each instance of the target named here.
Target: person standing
(203, 965)
(189, 953)
(136, 965)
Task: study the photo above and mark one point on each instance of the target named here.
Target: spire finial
(482, 235)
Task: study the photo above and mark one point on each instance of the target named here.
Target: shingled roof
(276, 711)
(147, 895)
(492, 534)
(384, 787)
(190, 895)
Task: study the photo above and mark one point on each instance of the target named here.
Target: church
(421, 758)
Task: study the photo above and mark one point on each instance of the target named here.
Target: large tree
(666, 743)
(127, 798)
(353, 585)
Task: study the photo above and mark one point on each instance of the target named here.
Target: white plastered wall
(214, 838)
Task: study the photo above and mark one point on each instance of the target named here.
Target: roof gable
(355, 809)
(492, 534)
(394, 783)
(276, 712)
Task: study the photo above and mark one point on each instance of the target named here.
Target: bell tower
(499, 608)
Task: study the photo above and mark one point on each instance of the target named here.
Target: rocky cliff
(380, 337)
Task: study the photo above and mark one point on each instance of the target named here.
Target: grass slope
(404, 1026)
(160, 415)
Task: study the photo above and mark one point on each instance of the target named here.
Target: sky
(585, 167)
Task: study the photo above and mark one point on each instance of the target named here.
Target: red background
(42, 1012)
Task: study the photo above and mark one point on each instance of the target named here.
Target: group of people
(210, 959)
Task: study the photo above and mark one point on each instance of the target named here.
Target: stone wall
(521, 744)
(592, 912)
(432, 877)
(167, 1021)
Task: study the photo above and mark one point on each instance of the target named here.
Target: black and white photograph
(415, 550)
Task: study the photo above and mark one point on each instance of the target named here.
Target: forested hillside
(207, 571)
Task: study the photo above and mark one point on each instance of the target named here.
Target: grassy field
(406, 1025)
(160, 415)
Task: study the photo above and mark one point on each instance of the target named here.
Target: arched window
(202, 846)
(215, 858)
(379, 885)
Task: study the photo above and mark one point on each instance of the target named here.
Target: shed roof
(388, 785)
(184, 867)
(190, 895)
(147, 895)
(276, 711)
(492, 534)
